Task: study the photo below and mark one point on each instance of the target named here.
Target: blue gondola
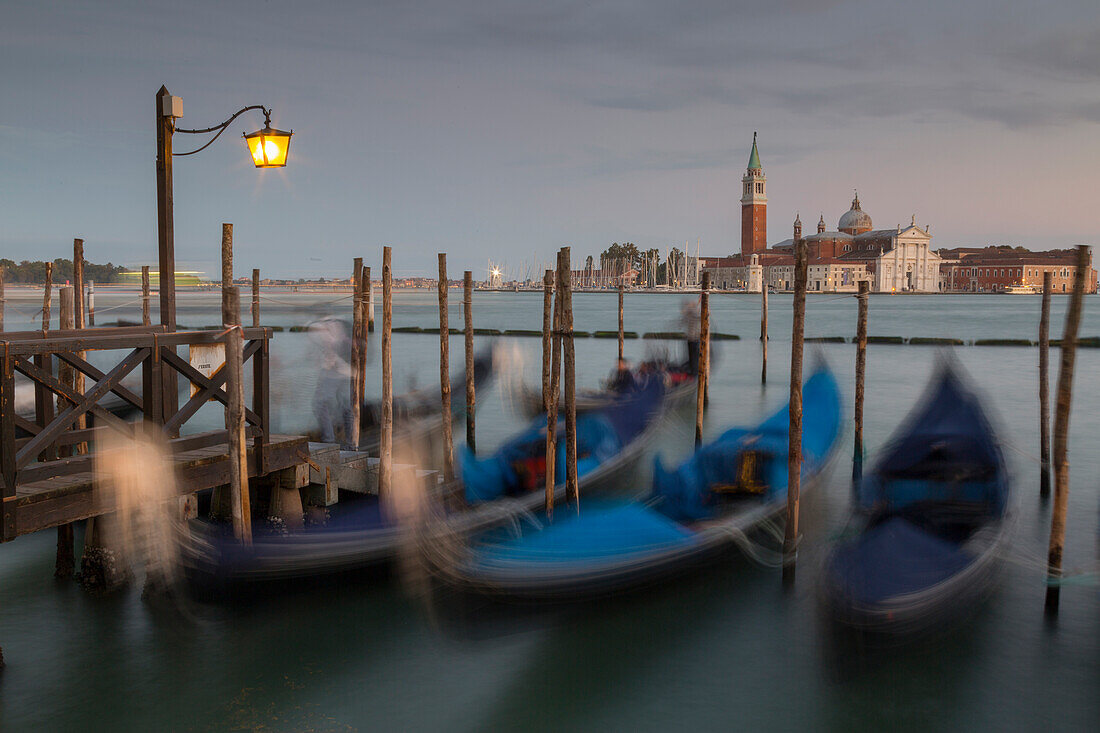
(929, 519)
(610, 442)
(692, 513)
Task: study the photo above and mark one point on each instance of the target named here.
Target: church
(897, 260)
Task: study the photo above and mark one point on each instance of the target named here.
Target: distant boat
(1022, 290)
(931, 519)
(692, 515)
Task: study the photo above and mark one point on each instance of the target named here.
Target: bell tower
(754, 206)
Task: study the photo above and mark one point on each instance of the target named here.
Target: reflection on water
(724, 648)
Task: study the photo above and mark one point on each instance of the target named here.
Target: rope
(300, 305)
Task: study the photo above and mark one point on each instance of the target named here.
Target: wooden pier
(42, 490)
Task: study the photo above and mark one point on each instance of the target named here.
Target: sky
(505, 130)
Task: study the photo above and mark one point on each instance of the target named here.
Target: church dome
(855, 220)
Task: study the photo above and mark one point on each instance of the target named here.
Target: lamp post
(268, 147)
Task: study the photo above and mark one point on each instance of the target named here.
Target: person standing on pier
(330, 399)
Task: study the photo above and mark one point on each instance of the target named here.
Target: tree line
(618, 258)
(34, 273)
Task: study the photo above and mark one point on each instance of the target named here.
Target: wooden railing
(29, 448)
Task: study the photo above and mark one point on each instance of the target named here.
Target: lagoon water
(718, 650)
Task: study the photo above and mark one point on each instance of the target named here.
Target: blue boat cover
(893, 558)
(601, 435)
(686, 493)
(602, 531)
(947, 452)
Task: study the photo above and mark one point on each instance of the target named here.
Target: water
(718, 650)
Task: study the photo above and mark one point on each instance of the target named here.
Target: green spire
(754, 158)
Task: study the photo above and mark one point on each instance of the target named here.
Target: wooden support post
(145, 318)
(620, 320)
(364, 285)
(1044, 385)
(552, 396)
(471, 397)
(861, 367)
(78, 284)
(445, 372)
(255, 297)
(1, 298)
(385, 442)
(234, 385)
(1061, 430)
(91, 302)
(794, 451)
(227, 270)
(572, 487)
(47, 292)
(370, 302)
(763, 330)
(356, 387)
(704, 358)
(547, 334)
(65, 562)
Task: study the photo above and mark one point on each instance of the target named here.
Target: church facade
(897, 260)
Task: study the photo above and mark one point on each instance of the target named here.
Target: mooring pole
(78, 287)
(1061, 431)
(91, 302)
(1, 298)
(704, 358)
(65, 563)
(355, 396)
(1044, 386)
(620, 319)
(547, 334)
(255, 297)
(227, 267)
(370, 303)
(471, 397)
(445, 372)
(794, 452)
(234, 384)
(763, 330)
(145, 318)
(572, 491)
(552, 398)
(47, 292)
(364, 284)
(385, 440)
(861, 367)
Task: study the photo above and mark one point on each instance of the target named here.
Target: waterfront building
(893, 260)
(998, 268)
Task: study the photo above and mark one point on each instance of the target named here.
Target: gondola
(930, 519)
(363, 533)
(692, 514)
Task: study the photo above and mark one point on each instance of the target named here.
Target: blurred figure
(622, 379)
(331, 399)
(689, 324)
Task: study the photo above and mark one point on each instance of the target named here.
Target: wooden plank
(75, 360)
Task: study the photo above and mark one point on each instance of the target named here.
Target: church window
(748, 188)
(760, 188)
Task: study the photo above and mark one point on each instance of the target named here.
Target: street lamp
(268, 147)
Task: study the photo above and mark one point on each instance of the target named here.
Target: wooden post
(91, 302)
(227, 270)
(704, 358)
(255, 297)
(1044, 386)
(78, 285)
(547, 334)
(565, 283)
(145, 319)
(552, 396)
(234, 385)
(1061, 431)
(364, 292)
(471, 397)
(861, 367)
(165, 226)
(763, 330)
(356, 387)
(620, 319)
(47, 293)
(445, 372)
(794, 452)
(385, 442)
(65, 562)
(1, 298)
(370, 302)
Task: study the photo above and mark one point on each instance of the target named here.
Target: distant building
(996, 269)
(892, 260)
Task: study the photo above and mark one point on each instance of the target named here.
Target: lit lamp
(268, 146)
